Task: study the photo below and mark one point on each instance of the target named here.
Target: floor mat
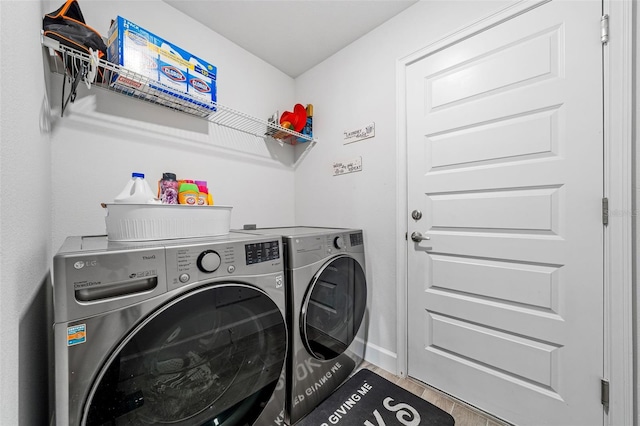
(370, 400)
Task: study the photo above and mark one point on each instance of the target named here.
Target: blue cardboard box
(166, 68)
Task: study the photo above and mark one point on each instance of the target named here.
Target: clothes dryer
(182, 332)
(326, 297)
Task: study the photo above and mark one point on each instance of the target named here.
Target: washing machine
(326, 298)
(181, 332)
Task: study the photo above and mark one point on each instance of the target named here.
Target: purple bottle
(168, 189)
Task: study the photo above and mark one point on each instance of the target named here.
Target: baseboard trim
(379, 356)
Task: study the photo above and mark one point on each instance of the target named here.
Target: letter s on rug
(403, 411)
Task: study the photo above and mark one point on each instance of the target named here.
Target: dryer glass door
(333, 308)
(213, 356)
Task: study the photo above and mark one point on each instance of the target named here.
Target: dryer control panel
(306, 249)
(356, 239)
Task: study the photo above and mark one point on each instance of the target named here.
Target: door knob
(416, 215)
(417, 237)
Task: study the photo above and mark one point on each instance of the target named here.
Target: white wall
(25, 217)
(56, 170)
(87, 156)
(349, 90)
(636, 210)
(104, 137)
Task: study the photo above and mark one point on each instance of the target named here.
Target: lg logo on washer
(85, 263)
(93, 262)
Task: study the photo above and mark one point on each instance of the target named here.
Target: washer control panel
(188, 264)
(262, 251)
(208, 261)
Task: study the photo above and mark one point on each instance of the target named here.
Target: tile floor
(463, 414)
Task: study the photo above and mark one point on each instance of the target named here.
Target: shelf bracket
(75, 79)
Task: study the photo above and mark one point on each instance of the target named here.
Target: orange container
(188, 194)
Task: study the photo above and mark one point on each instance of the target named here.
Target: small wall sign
(350, 166)
(365, 132)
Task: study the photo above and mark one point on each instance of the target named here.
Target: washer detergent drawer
(102, 281)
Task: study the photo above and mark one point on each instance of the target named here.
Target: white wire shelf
(120, 80)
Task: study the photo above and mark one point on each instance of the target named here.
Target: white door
(505, 161)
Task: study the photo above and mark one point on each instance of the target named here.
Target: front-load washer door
(210, 357)
(333, 308)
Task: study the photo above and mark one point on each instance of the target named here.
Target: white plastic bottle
(137, 191)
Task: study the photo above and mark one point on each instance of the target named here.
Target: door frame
(618, 121)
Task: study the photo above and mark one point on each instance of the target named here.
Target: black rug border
(431, 415)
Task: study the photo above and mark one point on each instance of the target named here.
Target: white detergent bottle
(137, 191)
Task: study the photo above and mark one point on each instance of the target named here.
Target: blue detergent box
(166, 68)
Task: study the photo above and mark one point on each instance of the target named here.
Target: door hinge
(604, 393)
(604, 29)
(605, 211)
